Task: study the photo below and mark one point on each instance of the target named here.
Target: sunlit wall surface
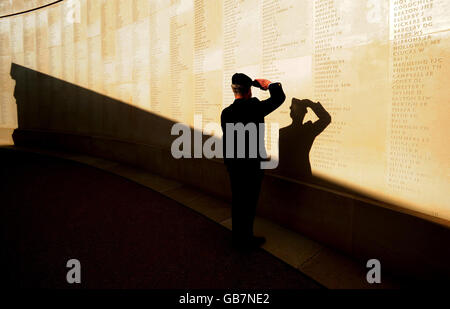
(381, 68)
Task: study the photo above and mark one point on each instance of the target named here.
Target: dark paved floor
(125, 235)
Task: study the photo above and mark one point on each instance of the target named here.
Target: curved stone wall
(110, 78)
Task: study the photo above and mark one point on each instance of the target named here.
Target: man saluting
(243, 147)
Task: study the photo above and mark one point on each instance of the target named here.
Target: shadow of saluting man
(295, 140)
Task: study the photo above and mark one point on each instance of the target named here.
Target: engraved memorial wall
(380, 68)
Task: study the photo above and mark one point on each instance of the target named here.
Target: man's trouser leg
(245, 186)
(238, 206)
(253, 197)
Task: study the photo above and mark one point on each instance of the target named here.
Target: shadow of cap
(302, 102)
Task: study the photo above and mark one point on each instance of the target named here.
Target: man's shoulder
(227, 113)
(227, 110)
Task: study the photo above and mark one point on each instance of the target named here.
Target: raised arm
(277, 98)
(324, 117)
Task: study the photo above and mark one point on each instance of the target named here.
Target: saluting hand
(264, 83)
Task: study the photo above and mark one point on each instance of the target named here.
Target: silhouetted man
(295, 141)
(246, 114)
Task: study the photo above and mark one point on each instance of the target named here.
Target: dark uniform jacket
(247, 111)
